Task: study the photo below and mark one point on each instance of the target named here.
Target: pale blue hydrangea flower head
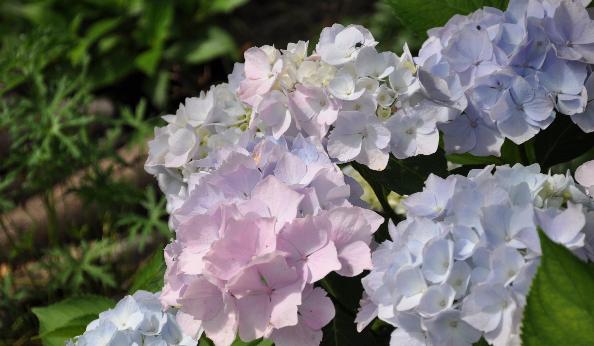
(137, 319)
(459, 267)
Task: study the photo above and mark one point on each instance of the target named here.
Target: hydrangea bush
(262, 213)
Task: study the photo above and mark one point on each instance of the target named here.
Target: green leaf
(150, 276)
(422, 15)
(344, 291)
(573, 164)
(562, 141)
(469, 159)
(63, 320)
(217, 43)
(560, 308)
(341, 331)
(406, 176)
(225, 6)
(259, 342)
(73, 328)
(481, 342)
(345, 294)
(148, 61)
(510, 153)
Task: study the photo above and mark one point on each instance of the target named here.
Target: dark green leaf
(406, 176)
(560, 308)
(510, 153)
(150, 276)
(481, 342)
(341, 331)
(562, 141)
(469, 159)
(573, 164)
(381, 329)
(344, 291)
(259, 342)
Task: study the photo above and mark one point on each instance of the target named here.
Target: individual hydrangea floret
(459, 266)
(584, 175)
(137, 319)
(510, 72)
(253, 237)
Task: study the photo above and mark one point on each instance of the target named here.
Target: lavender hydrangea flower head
(509, 71)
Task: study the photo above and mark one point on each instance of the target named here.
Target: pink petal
(355, 258)
(285, 302)
(189, 325)
(303, 237)
(298, 335)
(281, 201)
(257, 64)
(254, 316)
(317, 309)
(322, 262)
(202, 299)
(222, 329)
(242, 240)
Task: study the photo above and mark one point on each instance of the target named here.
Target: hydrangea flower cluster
(135, 320)
(361, 104)
(255, 234)
(510, 72)
(367, 103)
(200, 129)
(460, 266)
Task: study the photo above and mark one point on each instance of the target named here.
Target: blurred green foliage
(75, 78)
